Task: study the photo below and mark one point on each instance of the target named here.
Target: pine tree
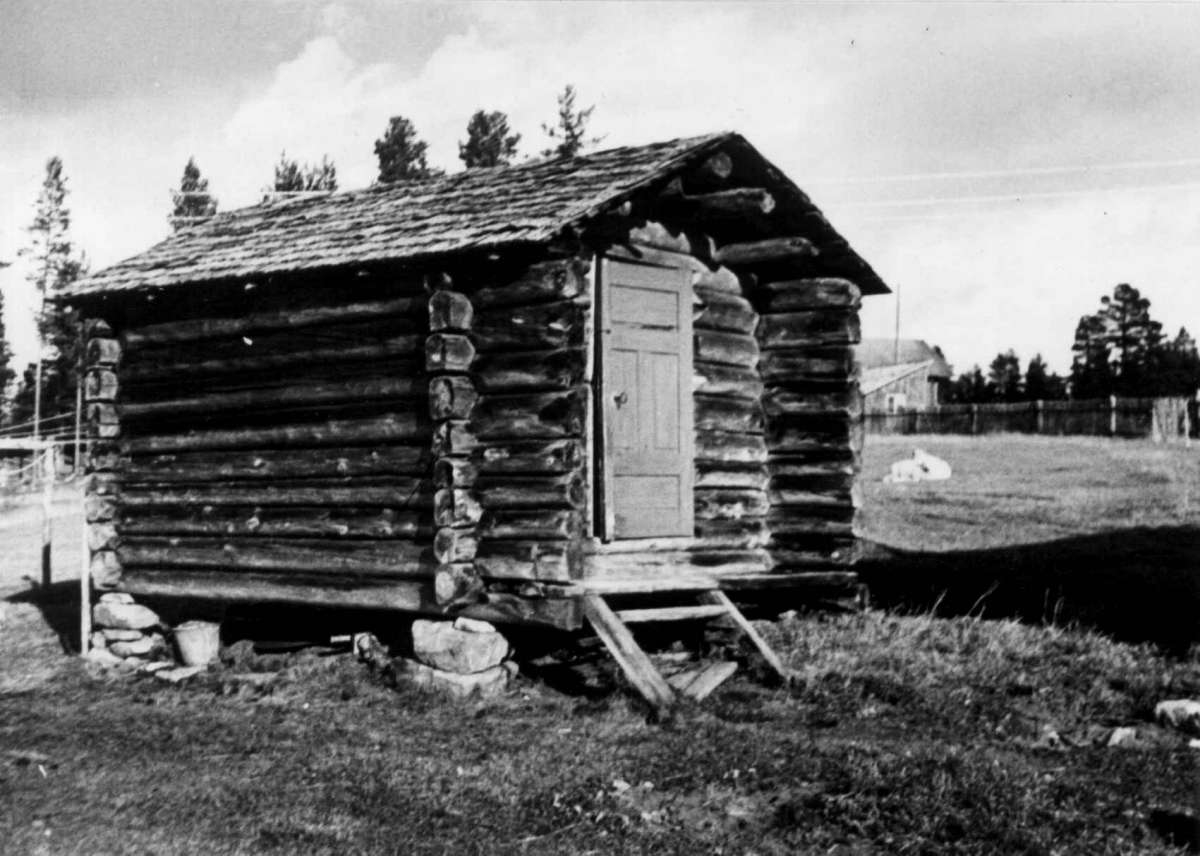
(489, 142)
(1091, 372)
(293, 177)
(53, 266)
(1004, 377)
(969, 388)
(7, 373)
(1041, 384)
(569, 133)
(401, 154)
(1179, 366)
(192, 201)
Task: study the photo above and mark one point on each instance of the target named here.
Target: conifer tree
(192, 201)
(401, 155)
(291, 176)
(568, 135)
(53, 266)
(489, 142)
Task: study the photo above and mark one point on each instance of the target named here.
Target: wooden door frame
(604, 521)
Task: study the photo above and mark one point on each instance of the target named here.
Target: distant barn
(495, 393)
(901, 375)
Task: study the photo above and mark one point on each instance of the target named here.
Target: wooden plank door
(646, 392)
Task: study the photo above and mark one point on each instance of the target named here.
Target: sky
(1001, 165)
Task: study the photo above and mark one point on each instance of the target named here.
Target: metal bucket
(198, 642)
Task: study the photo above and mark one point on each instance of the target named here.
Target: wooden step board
(641, 671)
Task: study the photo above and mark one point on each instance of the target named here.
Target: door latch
(620, 398)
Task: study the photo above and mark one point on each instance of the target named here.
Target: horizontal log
(394, 492)
(741, 531)
(733, 204)
(102, 536)
(317, 556)
(543, 326)
(541, 283)
(714, 379)
(533, 416)
(803, 469)
(565, 491)
(451, 397)
(104, 569)
(448, 352)
(730, 415)
(834, 496)
(703, 274)
(527, 560)
(721, 311)
(795, 329)
(812, 293)
(173, 365)
(670, 564)
(105, 457)
(389, 428)
(100, 385)
(458, 584)
(456, 507)
(453, 437)
(826, 440)
(262, 588)
(529, 458)
(99, 508)
(454, 545)
(298, 395)
(455, 472)
(797, 581)
(779, 401)
(740, 477)
(658, 236)
(103, 352)
(282, 319)
(722, 503)
(529, 371)
(450, 310)
(794, 520)
(767, 251)
(297, 522)
(270, 464)
(718, 447)
(830, 365)
(731, 349)
(532, 524)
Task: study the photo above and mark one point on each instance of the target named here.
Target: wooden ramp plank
(629, 656)
(773, 661)
(699, 684)
(670, 613)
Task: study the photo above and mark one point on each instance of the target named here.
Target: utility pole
(896, 346)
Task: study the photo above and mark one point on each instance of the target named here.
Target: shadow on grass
(59, 605)
(1138, 585)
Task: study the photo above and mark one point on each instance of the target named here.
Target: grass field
(903, 734)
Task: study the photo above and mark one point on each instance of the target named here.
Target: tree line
(1118, 350)
(402, 156)
(46, 391)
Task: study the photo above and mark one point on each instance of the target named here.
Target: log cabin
(507, 393)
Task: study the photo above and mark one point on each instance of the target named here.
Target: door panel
(646, 370)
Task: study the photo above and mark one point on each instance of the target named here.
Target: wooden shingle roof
(473, 210)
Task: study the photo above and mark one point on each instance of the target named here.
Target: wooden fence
(1161, 419)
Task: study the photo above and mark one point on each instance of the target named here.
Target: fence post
(1112, 416)
(974, 418)
(47, 508)
(1040, 424)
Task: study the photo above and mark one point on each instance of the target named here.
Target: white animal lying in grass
(922, 466)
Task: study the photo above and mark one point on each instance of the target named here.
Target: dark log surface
(543, 326)
(541, 283)
(300, 522)
(534, 416)
(450, 310)
(526, 559)
(730, 415)
(769, 250)
(388, 428)
(720, 447)
(315, 555)
(211, 328)
(729, 349)
(533, 492)
(529, 371)
(722, 311)
(715, 379)
(805, 329)
(814, 293)
(529, 458)
(272, 464)
(830, 365)
(530, 524)
(391, 492)
(448, 352)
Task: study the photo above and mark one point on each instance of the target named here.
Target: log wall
(285, 444)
